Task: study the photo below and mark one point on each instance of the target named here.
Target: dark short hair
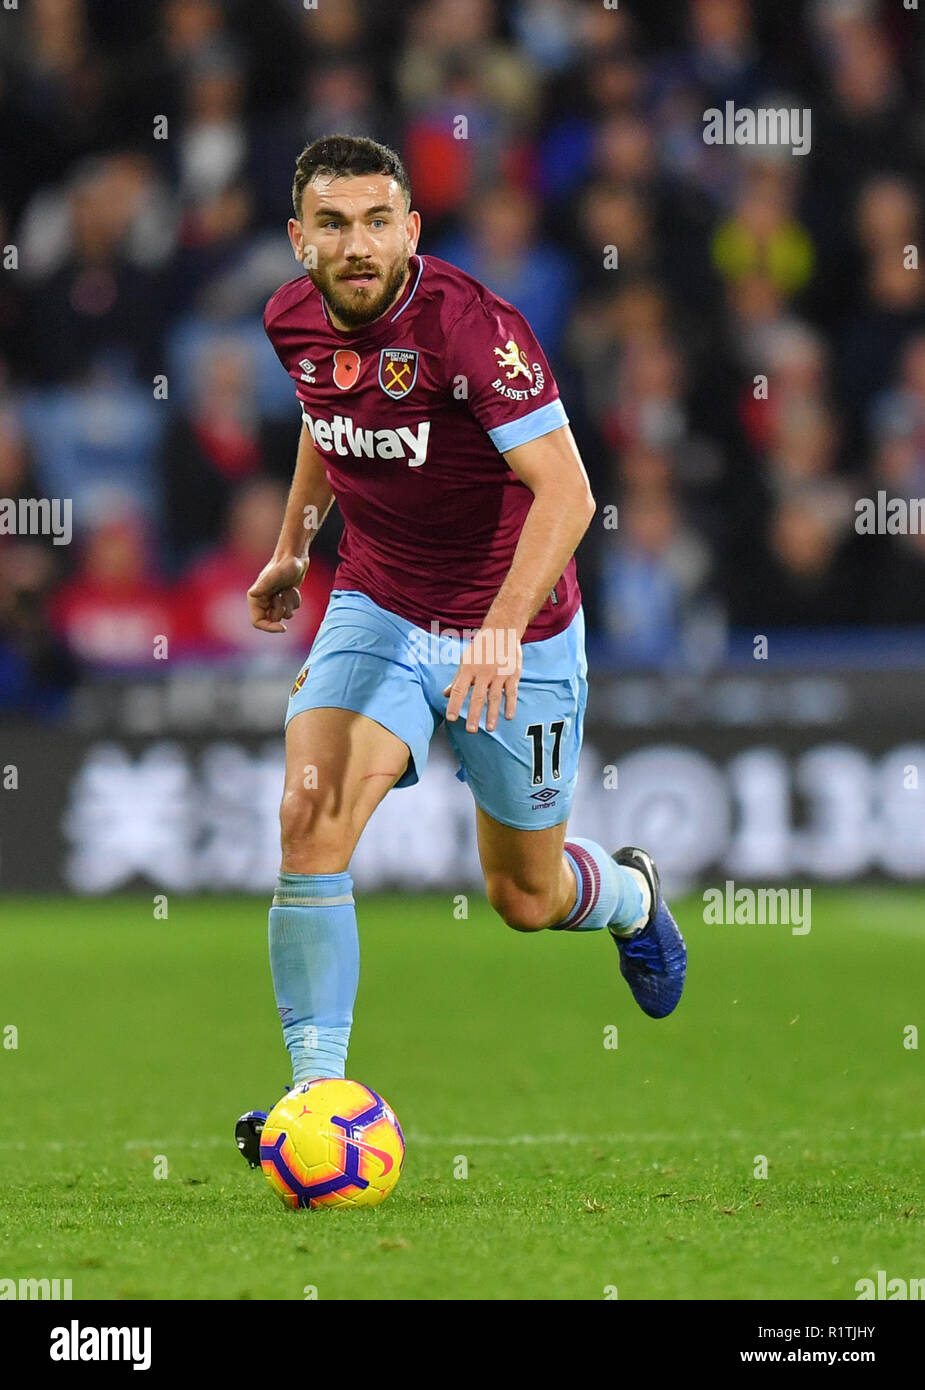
(343, 155)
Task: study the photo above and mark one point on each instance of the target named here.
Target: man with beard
(430, 413)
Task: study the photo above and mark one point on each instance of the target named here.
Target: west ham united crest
(398, 371)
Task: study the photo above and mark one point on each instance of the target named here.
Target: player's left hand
(490, 668)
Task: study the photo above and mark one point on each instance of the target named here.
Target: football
(332, 1143)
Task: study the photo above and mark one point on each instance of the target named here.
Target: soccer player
(430, 413)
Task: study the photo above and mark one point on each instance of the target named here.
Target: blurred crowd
(738, 331)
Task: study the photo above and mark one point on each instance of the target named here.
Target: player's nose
(357, 242)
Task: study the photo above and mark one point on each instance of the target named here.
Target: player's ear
(296, 239)
(413, 228)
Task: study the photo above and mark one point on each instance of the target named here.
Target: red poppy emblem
(346, 368)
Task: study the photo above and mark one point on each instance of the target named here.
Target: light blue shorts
(366, 659)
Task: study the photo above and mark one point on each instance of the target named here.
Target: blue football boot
(247, 1132)
(653, 961)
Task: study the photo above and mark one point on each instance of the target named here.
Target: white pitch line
(215, 1141)
(494, 1140)
(621, 1137)
(505, 1141)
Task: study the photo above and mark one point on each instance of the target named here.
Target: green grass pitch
(589, 1168)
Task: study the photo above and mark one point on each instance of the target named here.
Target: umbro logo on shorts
(544, 797)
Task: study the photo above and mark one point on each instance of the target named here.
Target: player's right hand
(274, 594)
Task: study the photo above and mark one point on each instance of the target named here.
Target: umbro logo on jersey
(344, 437)
(308, 371)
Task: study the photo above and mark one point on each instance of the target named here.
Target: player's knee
(312, 834)
(519, 908)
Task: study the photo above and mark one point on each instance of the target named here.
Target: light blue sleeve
(538, 422)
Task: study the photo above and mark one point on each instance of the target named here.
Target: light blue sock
(607, 892)
(315, 963)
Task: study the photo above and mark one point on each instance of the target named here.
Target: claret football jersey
(412, 414)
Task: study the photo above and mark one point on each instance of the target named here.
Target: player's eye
(377, 222)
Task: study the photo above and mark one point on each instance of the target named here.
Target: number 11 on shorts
(536, 732)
